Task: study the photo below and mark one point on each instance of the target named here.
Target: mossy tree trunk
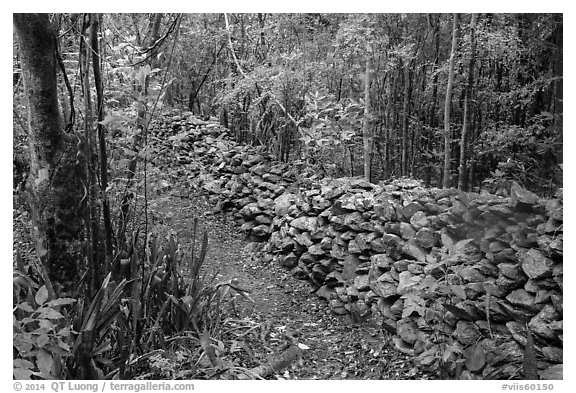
(55, 192)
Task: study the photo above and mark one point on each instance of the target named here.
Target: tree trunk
(154, 28)
(432, 118)
(54, 190)
(366, 129)
(405, 119)
(94, 250)
(261, 51)
(558, 96)
(103, 155)
(390, 167)
(152, 36)
(447, 106)
(385, 165)
(468, 93)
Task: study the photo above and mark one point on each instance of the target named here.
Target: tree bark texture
(447, 105)
(467, 98)
(94, 250)
(54, 190)
(103, 155)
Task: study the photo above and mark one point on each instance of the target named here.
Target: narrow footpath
(284, 309)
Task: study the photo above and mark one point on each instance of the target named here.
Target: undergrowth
(166, 321)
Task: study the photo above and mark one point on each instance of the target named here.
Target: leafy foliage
(43, 338)
(329, 129)
(174, 300)
(525, 155)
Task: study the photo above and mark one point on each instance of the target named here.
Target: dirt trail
(286, 309)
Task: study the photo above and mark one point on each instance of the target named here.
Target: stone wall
(454, 277)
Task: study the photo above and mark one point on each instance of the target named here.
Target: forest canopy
(315, 87)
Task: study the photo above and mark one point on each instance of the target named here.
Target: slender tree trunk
(94, 250)
(101, 131)
(351, 153)
(447, 105)
(405, 120)
(134, 18)
(432, 118)
(54, 190)
(154, 28)
(558, 92)
(385, 168)
(152, 36)
(467, 98)
(262, 43)
(366, 129)
(391, 126)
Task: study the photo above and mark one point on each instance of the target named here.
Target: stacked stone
(399, 249)
(475, 269)
(240, 179)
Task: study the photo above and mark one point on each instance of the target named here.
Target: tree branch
(274, 366)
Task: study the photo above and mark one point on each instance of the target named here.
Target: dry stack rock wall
(237, 178)
(457, 278)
